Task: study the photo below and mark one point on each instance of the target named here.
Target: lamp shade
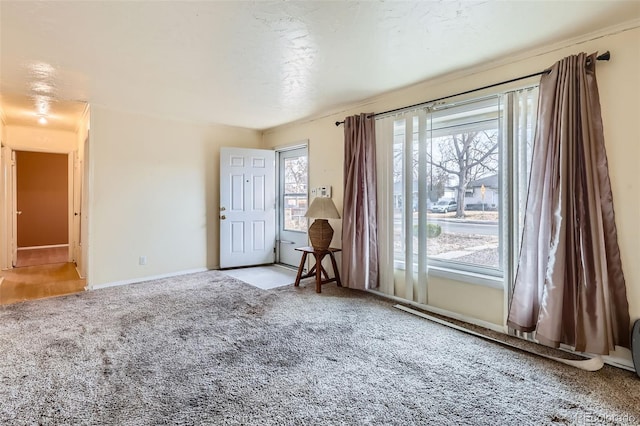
(322, 208)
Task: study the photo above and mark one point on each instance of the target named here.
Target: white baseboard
(614, 361)
(148, 278)
(444, 312)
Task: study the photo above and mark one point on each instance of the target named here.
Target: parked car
(444, 206)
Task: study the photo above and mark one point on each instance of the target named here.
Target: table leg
(335, 269)
(318, 257)
(300, 269)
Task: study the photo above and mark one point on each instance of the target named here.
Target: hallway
(38, 282)
(42, 256)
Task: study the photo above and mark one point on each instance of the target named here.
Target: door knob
(19, 212)
(223, 217)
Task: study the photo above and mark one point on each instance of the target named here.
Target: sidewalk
(456, 254)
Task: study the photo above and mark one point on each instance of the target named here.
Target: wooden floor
(42, 256)
(39, 282)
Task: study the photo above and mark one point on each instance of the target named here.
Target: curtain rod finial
(339, 123)
(605, 56)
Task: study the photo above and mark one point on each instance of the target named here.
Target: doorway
(293, 199)
(42, 208)
(38, 188)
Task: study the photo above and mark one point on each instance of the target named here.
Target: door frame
(9, 183)
(8, 209)
(279, 151)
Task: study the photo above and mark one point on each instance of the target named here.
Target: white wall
(22, 138)
(619, 92)
(154, 193)
(81, 191)
(4, 247)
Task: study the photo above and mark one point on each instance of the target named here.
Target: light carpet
(208, 349)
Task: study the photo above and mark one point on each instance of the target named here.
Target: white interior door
(293, 198)
(14, 211)
(74, 249)
(83, 257)
(8, 212)
(247, 207)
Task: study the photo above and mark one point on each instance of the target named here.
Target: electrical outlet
(142, 260)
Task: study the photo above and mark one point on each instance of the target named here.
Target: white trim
(290, 147)
(589, 363)
(439, 311)
(467, 277)
(617, 362)
(148, 278)
(609, 360)
(85, 112)
(43, 247)
(281, 151)
(44, 150)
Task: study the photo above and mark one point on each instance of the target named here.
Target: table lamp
(320, 232)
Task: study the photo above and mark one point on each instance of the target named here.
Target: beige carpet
(208, 349)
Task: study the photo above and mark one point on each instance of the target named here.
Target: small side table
(318, 270)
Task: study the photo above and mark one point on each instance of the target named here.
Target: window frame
(508, 175)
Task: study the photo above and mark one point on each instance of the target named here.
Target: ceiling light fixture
(42, 120)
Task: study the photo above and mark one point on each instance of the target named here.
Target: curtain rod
(604, 57)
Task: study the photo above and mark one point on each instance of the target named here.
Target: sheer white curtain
(384, 164)
(407, 147)
(401, 190)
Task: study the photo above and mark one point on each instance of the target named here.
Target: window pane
(464, 214)
(295, 194)
(294, 209)
(398, 191)
(295, 175)
(452, 186)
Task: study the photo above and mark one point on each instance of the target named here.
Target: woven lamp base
(320, 234)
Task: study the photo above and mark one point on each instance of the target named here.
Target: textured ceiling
(258, 64)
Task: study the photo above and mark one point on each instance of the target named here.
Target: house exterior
(475, 199)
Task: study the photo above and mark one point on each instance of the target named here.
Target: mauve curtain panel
(359, 216)
(569, 285)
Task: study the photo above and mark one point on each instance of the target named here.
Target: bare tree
(295, 175)
(467, 156)
(437, 181)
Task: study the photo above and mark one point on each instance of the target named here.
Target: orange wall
(42, 187)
